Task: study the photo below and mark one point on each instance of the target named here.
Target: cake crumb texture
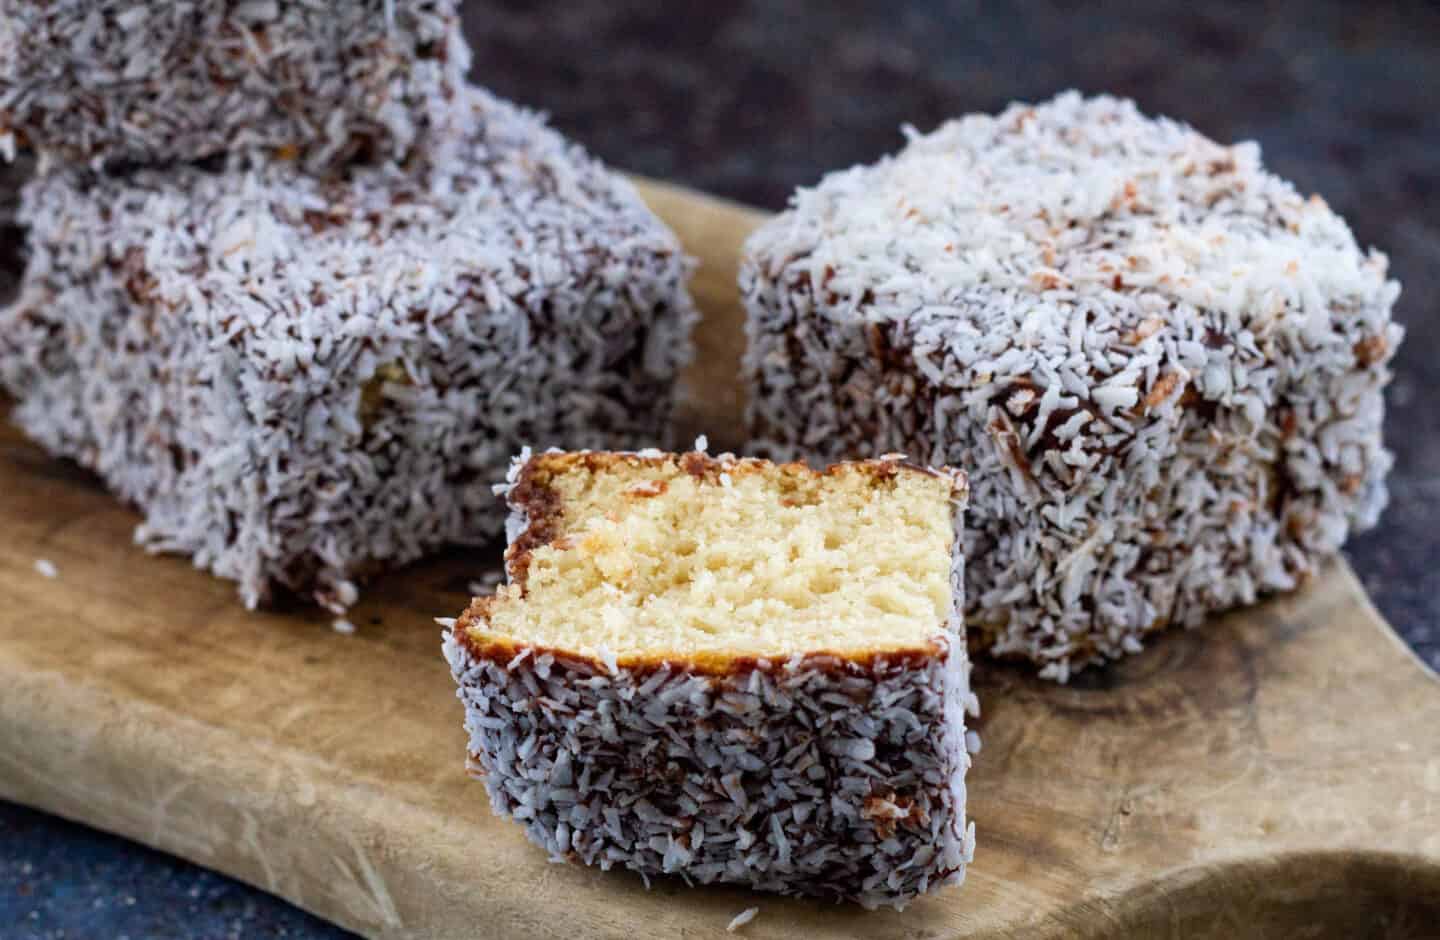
(689, 555)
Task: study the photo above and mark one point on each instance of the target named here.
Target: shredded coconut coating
(818, 775)
(1161, 367)
(300, 380)
(109, 81)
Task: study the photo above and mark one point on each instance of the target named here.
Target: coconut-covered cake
(1161, 366)
(729, 670)
(115, 81)
(299, 380)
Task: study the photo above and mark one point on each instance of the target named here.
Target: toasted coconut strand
(115, 81)
(1160, 366)
(301, 380)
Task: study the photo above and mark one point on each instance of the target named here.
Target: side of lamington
(122, 81)
(1161, 366)
(728, 670)
(299, 380)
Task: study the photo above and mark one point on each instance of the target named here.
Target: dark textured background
(751, 99)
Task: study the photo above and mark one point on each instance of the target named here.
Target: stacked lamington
(120, 80)
(303, 332)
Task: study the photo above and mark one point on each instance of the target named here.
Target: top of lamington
(121, 80)
(507, 227)
(1014, 222)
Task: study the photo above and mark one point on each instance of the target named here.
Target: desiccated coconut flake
(486, 582)
(741, 919)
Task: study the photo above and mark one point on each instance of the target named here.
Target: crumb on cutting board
(741, 919)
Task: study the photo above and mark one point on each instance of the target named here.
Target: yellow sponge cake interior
(630, 559)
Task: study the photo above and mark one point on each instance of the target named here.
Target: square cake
(1161, 366)
(300, 380)
(729, 670)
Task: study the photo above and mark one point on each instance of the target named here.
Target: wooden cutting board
(1275, 774)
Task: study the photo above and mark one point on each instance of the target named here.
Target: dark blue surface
(750, 99)
(59, 880)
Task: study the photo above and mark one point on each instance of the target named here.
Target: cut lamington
(299, 380)
(116, 81)
(1160, 365)
(729, 670)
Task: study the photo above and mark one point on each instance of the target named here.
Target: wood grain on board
(1276, 773)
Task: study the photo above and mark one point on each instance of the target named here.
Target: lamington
(728, 670)
(300, 380)
(118, 82)
(1161, 366)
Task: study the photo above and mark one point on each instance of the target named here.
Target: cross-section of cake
(115, 81)
(1161, 366)
(729, 670)
(301, 379)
